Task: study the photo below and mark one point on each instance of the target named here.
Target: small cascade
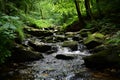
(82, 50)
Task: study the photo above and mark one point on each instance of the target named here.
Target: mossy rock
(21, 53)
(38, 32)
(60, 38)
(40, 47)
(106, 58)
(73, 45)
(93, 40)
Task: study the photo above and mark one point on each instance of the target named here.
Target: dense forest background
(69, 15)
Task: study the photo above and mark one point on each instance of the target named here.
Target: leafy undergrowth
(10, 28)
(37, 23)
(114, 39)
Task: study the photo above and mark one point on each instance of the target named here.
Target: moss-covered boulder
(73, 45)
(21, 53)
(107, 58)
(39, 46)
(94, 40)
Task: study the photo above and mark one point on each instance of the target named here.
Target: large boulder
(94, 40)
(39, 46)
(42, 47)
(21, 53)
(73, 45)
(106, 58)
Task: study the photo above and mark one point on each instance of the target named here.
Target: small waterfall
(82, 50)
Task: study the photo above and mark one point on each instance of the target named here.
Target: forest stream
(64, 64)
(60, 40)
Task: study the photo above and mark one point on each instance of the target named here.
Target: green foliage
(102, 25)
(33, 22)
(69, 22)
(115, 39)
(10, 28)
(94, 37)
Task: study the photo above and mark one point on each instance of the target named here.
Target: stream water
(51, 68)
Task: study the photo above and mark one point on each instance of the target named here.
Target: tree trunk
(81, 21)
(3, 6)
(98, 8)
(41, 14)
(88, 10)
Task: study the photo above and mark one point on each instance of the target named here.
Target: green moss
(94, 37)
(69, 43)
(108, 57)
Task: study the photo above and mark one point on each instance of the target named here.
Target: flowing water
(51, 68)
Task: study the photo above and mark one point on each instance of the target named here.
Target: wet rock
(84, 32)
(53, 50)
(70, 34)
(98, 48)
(64, 57)
(38, 32)
(107, 58)
(21, 53)
(94, 40)
(73, 45)
(48, 39)
(93, 44)
(41, 47)
(60, 38)
(77, 38)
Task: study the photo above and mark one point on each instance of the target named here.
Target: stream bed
(51, 68)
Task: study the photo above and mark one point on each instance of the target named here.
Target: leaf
(15, 17)
(6, 25)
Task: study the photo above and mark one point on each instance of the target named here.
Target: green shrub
(115, 39)
(33, 22)
(10, 28)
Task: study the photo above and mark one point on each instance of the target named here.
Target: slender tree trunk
(81, 21)
(98, 8)
(41, 14)
(3, 5)
(88, 10)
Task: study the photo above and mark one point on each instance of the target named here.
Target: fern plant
(115, 39)
(10, 28)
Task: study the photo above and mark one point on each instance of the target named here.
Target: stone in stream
(64, 57)
(41, 47)
(73, 45)
(60, 38)
(38, 32)
(74, 36)
(94, 40)
(21, 53)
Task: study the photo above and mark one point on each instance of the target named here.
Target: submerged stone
(64, 57)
